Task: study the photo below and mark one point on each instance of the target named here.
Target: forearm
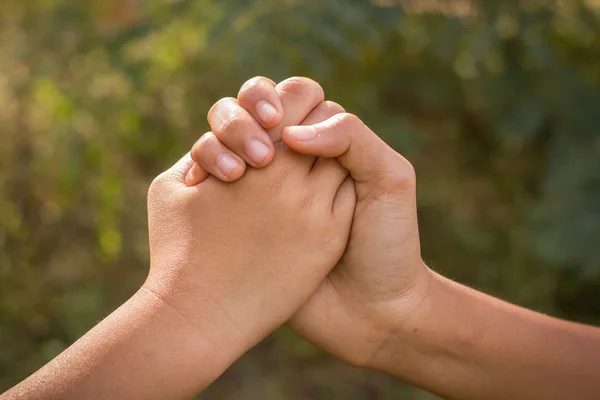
(465, 344)
(144, 350)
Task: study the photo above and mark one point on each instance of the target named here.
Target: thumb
(375, 167)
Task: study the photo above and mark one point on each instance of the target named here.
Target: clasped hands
(321, 231)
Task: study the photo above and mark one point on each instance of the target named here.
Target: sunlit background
(496, 103)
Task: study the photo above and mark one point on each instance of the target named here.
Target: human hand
(242, 257)
(229, 264)
(381, 279)
(245, 128)
(383, 308)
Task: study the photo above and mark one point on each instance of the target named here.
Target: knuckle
(206, 139)
(163, 197)
(301, 86)
(219, 105)
(348, 122)
(201, 147)
(333, 107)
(235, 123)
(347, 126)
(252, 85)
(202, 143)
(402, 174)
(157, 186)
(278, 179)
(307, 200)
(275, 187)
(279, 174)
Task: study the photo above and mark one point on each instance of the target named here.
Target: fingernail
(257, 151)
(266, 112)
(190, 178)
(226, 164)
(302, 132)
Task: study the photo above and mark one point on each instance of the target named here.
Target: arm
(464, 344)
(439, 335)
(216, 268)
(145, 349)
(383, 308)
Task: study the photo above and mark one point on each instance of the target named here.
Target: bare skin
(219, 281)
(276, 234)
(381, 307)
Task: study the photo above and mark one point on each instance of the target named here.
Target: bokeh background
(496, 103)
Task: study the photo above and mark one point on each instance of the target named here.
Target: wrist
(200, 347)
(434, 347)
(415, 331)
(191, 308)
(144, 349)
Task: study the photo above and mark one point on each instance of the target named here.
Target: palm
(343, 315)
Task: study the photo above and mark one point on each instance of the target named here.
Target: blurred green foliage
(497, 103)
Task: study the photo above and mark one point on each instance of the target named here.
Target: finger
(371, 162)
(320, 113)
(328, 173)
(213, 156)
(299, 96)
(345, 200)
(259, 97)
(195, 175)
(239, 131)
(288, 159)
(323, 112)
(325, 171)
